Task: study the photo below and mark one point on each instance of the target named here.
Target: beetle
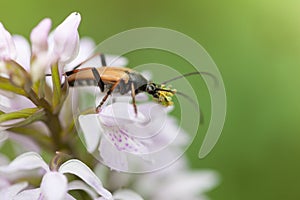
(122, 80)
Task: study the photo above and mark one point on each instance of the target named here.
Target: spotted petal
(112, 157)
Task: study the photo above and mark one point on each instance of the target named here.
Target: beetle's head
(161, 93)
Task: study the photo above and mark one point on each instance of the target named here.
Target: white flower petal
(11, 191)
(66, 38)
(32, 194)
(7, 45)
(122, 141)
(126, 195)
(79, 185)
(23, 51)
(197, 181)
(54, 186)
(10, 102)
(120, 113)
(79, 169)
(39, 36)
(86, 48)
(91, 131)
(26, 161)
(112, 157)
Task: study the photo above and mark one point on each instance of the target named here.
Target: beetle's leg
(98, 79)
(133, 98)
(106, 96)
(103, 61)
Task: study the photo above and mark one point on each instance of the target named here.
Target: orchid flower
(122, 138)
(45, 51)
(22, 66)
(54, 184)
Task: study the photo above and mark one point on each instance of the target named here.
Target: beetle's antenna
(187, 97)
(190, 74)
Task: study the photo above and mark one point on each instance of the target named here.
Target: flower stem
(53, 124)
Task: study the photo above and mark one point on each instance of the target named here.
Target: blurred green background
(256, 46)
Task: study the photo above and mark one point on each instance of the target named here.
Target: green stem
(36, 100)
(53, 124)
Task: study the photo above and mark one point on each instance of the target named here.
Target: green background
(256, 46)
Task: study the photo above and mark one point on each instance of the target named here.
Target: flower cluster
(36, 118)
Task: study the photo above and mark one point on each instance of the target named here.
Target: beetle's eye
(151, 87)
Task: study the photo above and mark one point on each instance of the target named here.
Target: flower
(46, 49)
(39, 36)
(66, 38)
(124, 139)
(23, 65)
(54, 184)
(181, 184)
(10, 192)
(175, 182)
(7, 46)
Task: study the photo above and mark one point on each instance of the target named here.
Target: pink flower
(46, 50)
(7, 46)
(39, 58)
(66, 38)
(123, 139)
(54, 183)
(39, 36)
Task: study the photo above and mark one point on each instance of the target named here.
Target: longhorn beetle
(123, 80)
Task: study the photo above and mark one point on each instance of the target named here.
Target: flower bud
(7, 46)
(39, 36)
(66, 38)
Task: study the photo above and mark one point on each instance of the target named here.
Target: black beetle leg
(106, 96)
(133, 98)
